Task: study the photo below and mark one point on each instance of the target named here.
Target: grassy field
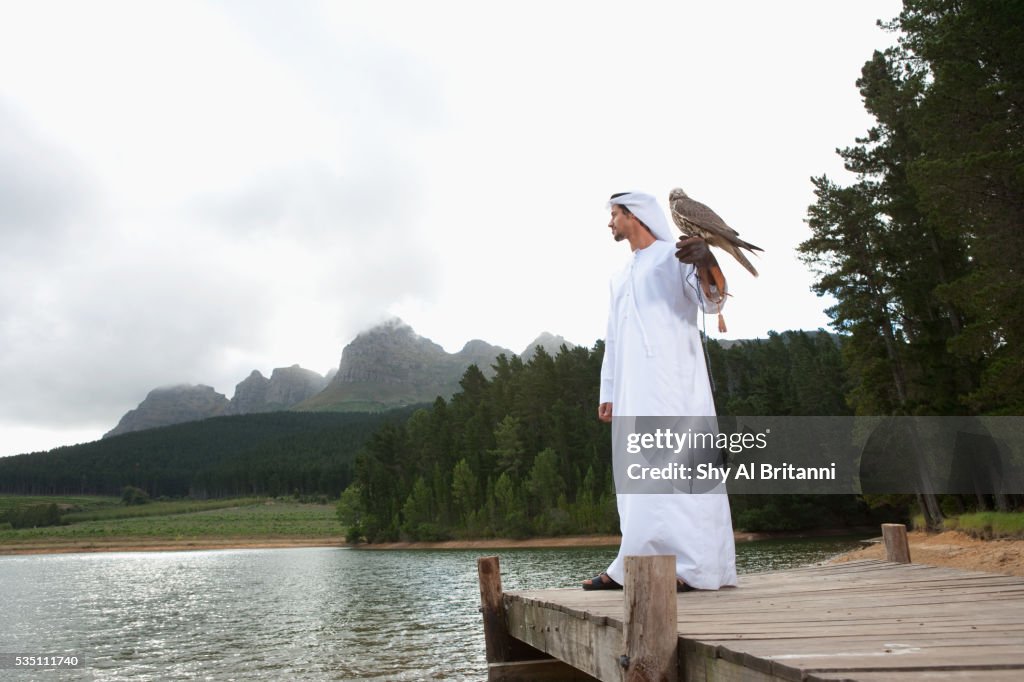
(176, 521)
(988, 525)
(120, 511)
(83, 503)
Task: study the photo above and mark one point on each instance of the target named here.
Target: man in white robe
(654, 366)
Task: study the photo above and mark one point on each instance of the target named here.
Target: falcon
(695, 219)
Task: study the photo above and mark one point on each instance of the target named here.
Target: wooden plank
(920, 613)
(899, 631)
(863, 594)
(915, 573)
(871, 589)
(897, 549)
(911, 582)
(547, 670)
(797, 664)
(969, 611)
(1003, 675)
(866, 594)
(700, 664)
(827, 612)
(695, 604)
(589, 645)
(871, 646)
(650, 636)
(846, 567)
(908, 578)
(852, 601)
(970, 615)
(575, 602)
(722, 664)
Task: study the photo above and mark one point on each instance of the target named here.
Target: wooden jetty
(863, 620)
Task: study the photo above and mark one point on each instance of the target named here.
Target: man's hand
(693, 250)
(604, 412)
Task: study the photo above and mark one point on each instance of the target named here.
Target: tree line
(923, 251)
(272, 454)
(522, 453)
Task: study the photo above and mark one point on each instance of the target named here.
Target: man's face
(621, 223)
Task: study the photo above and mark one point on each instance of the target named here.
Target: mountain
(286, 387)
(387, 366)
(549, 342)
(172, 405)
(391, 365)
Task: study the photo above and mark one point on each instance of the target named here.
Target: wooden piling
(897, 548)
(510, 659)
(496, 637)
(649, 633)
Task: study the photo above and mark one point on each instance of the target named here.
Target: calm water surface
(299, 614)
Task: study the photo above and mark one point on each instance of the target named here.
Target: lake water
(297, 614)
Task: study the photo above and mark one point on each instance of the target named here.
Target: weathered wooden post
(897, 548)
(510, 659)
(650, 631)
(496, 636)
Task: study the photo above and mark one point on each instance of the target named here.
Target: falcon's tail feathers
(749, 246)
(738, 255)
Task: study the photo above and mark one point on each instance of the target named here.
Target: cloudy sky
(193, 190)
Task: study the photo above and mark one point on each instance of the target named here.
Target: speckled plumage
(695, 219)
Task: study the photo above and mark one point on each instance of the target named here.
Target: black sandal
(601, 581)
(683, 587)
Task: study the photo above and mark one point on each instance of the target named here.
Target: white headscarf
(645, 207)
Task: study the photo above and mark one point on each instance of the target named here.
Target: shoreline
(952, 549)
(596, 540)
(129, 544)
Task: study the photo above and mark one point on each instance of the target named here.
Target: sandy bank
(954, 549)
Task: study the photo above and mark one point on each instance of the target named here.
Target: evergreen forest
(273, 454)
(922, 252)
(523, 453)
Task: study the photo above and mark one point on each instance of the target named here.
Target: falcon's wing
(686, 210)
